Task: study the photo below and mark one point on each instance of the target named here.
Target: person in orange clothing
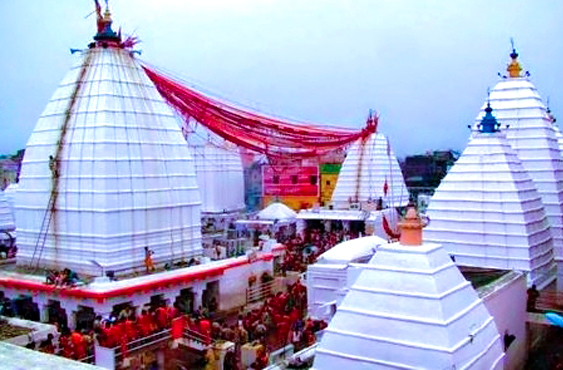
(161, 316)
(114, 335)
(78, 345)
(149, 264)
(283, 331)
(205, 329)
(177, 331)
(262, 358)
(145, 323)
(129, 329)
(172, 312)
(65, 345)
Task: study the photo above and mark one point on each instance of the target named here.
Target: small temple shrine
(411, 307)
(370, 174)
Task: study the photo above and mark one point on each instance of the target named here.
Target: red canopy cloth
(271, 136)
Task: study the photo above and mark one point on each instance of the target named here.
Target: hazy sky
(423, 65)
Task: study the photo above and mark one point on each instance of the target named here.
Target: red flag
(385, 187)
(99, 18)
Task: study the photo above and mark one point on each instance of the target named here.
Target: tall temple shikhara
(487, 211)
(501, 205)
(107, 171)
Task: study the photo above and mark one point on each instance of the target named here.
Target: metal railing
(190, 338)
(259, 292)
(88, 359)
(149, 340)
(196, 336)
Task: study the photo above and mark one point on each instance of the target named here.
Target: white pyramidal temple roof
(6, 215)
(410, 308)
(369, 164)
(106, 172)
(220, 177)
(277, 211)
(487, 211)
(517, 103)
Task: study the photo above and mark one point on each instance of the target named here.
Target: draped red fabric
(262, 134)
(388, 230)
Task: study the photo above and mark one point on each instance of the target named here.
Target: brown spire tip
(411, 227)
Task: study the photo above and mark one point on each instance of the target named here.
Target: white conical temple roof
(487, 212)
(107, 172)
(6, 215)
(277, 211)
(410, 308)
(517, 103)
(369, 165)
(220, 177)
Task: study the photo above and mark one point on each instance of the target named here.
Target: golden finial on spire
(107, 13)
(514, 68)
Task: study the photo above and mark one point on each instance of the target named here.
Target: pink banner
(297, 181)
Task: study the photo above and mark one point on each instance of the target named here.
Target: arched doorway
(185, 301)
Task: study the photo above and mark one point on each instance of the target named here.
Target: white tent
(277, 211)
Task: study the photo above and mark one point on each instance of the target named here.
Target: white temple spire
(487, 212)
(410, 308)
(106, 171)
(370, 172)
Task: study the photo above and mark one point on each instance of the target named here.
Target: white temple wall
(220, 177)
(234, 282)
(6, 213)
(507, 304)
(232, 292)
(323, 284)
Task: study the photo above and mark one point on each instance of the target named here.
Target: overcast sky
(425, 66)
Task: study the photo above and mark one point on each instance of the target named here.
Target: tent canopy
(277, 211)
